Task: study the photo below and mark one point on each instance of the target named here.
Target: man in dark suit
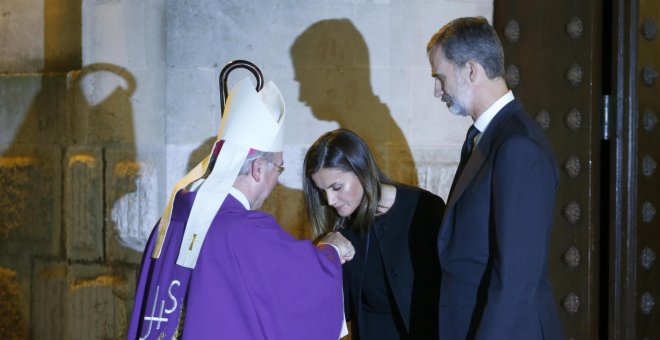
(495, 233)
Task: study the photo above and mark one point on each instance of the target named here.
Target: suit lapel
(475, 162)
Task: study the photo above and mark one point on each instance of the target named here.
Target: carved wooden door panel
(647, 198)
(586, 70)
(635, 190)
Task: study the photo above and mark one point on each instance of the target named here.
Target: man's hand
(343, 246)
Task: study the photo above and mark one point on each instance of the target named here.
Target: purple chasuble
(253, 280)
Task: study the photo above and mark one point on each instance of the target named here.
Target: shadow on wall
(71, 162)
(331, 63)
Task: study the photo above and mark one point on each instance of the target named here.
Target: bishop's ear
(257, 169)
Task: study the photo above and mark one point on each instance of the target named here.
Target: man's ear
(257, 169)
(475, 70)
(471, 67)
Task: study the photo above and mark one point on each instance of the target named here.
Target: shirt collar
(239, 196)
(485, 118)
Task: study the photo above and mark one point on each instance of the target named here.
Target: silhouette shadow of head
(331, 63)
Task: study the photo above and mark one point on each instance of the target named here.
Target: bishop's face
(343, 190)
(451, 83)
(270, 172)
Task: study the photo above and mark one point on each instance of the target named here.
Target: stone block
(81, 301)
(13, 323)
(17, 93)
(131, 204)
(30, 207)
(181, 158)
(192, 120)
(15, 297)
(396, 161)
(22, 28)
(436, 177)
(98, 302)
(49, 289)
(40, 35)
(83, 203)
(62, 35)
(34, 107)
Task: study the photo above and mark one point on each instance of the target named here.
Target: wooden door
(634, 284)
(586, 70)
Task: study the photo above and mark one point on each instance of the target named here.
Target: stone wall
(78, 196)
(63, 266)
(105, 104)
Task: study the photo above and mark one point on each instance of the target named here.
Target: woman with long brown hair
(391, 287)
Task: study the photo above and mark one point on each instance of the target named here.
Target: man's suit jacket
(407, 240)
(495, 233)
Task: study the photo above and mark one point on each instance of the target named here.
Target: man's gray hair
(471, 38)
(247, 164)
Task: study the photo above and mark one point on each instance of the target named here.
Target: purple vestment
(252, 280)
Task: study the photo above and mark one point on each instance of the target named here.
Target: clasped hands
(343, 246)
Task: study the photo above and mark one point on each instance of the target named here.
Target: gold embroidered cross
(192, 242)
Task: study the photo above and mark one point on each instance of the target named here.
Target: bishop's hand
(343, 246)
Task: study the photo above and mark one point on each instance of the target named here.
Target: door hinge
(605, 118)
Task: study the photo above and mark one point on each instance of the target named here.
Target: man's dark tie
(468, 145)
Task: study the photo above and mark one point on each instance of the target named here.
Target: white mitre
(251, 121)
(254, 119)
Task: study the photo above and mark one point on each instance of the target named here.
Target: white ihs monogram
(163, 312)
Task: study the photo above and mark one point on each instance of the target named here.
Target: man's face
(271, 171)
(451, 83)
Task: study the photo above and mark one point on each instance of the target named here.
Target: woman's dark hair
(343, 150)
